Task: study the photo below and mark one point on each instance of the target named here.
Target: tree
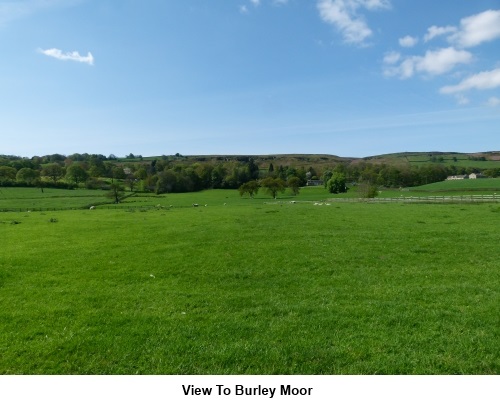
(253, 169)
(76, 173)
(115, 192)
(27, 175)
(294, 184)
(118, 173)
(7, 173)
(54, 171)
(336, 184)
(141, 173)
(251, 187)
(130, 181)
(273, 186)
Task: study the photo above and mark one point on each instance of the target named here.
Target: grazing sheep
(92, 208)
(195, 205)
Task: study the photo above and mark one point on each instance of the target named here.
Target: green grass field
(251, 287)
(33, 198)
(461, 185)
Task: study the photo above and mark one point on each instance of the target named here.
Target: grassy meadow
(461, 185)
(250, 286)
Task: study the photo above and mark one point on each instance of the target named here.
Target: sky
(352, 78)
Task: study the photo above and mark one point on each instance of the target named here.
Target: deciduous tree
(273, 186)
(76, 173)
(336, 184)
(251, 188)
(54, 171)
(27, 175)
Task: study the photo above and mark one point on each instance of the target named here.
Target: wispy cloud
(435, 31)
(432, 63)
(71, 56)
(481, 81)
(493, 102)
(344, 15)
(392, 58)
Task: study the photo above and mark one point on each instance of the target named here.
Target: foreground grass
(251, 289)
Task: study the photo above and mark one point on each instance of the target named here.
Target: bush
(367, 190)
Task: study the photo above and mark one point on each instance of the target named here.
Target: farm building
(476, 176)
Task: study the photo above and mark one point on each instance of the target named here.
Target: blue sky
(344, 77)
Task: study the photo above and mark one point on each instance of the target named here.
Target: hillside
(480, 160)
(483, 160)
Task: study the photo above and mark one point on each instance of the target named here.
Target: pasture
(251, 287)
(461, 185)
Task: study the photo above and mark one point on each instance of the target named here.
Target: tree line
(174, 175)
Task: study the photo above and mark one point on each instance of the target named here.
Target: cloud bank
(71, 56)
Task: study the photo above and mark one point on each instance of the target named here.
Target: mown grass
(251, 289)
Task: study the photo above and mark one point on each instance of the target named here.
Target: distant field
(467, 184)
(449, 159)
(251, 287)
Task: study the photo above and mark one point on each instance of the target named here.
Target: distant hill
(481, 160)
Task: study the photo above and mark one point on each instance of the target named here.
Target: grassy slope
(461, 185)
(251, 288)
(424, 158)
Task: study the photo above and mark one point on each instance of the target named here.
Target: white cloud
(408, 41)
(243, 9)
(255, 2)
(478, 28)
(442, 61)
(391, 58)
(493, 102)
(433, 63)
(481, 81)
(280, 2)
(436, 31)
(72, 56)
(343, 14)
